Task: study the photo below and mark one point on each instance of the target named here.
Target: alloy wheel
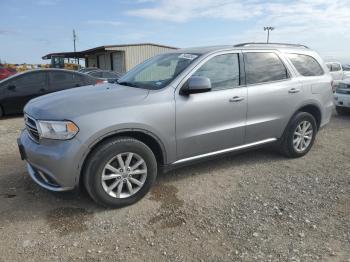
(302, 136)
(124, 175)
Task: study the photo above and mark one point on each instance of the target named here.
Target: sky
(29, 29)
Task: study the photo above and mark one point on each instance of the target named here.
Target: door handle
(11, 87)
(236, 99)
(293, 90)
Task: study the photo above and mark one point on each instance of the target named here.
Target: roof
(38, 70)
(243, 46)
(82, 54)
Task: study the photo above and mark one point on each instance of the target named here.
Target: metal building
(120, 58)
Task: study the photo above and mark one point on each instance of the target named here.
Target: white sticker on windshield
(188, 56)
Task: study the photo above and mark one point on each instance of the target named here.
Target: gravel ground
(257, 206)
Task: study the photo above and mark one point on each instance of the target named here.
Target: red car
(6, 72)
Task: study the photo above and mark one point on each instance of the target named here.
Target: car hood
(71, 103)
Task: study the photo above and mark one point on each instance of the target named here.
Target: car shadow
(24, 196)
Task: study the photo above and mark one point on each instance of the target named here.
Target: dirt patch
(169, 214)
(67, 220)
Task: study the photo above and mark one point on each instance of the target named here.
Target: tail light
(99, 81)
(334, 86)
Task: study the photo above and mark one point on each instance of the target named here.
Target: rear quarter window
(306, 65)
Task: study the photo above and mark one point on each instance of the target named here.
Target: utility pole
(74, 40)
(268, 29)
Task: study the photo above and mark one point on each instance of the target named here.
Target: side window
(87, 80)
(306, 65)
(346, 67)
(264, 67)
(33, 81)
(96, 74)
(61, 80)
(222, 70)
(335, 67)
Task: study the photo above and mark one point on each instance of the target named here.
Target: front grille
(31, 128)
(343, 91)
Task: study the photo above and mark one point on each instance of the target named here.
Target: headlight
(61, 130)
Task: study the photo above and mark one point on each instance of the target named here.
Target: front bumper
(342, 100)
(54, 165)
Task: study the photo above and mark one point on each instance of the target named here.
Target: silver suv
(172, 110)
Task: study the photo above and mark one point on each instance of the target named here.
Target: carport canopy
(65, 55)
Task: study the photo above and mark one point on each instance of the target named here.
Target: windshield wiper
(125, 83)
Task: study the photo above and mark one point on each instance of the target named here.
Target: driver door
(215, 120)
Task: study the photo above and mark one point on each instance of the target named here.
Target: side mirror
(196, 84)
(11, 87)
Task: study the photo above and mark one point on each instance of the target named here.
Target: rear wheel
(120, 172)
(299, 136)
(1, 112)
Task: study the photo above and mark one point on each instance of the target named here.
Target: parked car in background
(342, 97)
(337, 71)
(6, 72)
(88, 69)
(174, 109)
(17, 90)
(105, 75)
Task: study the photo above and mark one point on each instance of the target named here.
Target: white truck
(342, 97)
(338, 71)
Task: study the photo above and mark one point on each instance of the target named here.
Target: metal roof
(82, 54)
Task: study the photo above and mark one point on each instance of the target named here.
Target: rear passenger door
(273, 96)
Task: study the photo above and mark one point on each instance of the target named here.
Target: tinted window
(264, 67)
(306, 65)
(30, 82)
(35, 78)
(61, 80)
(96, 74)
(222, 70)
(109, 75)
(346, 67)
(336, 67)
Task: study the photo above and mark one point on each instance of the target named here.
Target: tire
(341, 110)
(288, 148)
(1, 112)
(110, 152)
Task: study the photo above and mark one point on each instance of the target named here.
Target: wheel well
(147, 139)
(314, 111)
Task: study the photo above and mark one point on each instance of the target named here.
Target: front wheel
(120, 172)
(299, 136)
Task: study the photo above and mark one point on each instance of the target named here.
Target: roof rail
(272, 44)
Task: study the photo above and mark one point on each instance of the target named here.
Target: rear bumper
(327, 113)
(52, 164)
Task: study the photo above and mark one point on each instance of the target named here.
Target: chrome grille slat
(31, 127)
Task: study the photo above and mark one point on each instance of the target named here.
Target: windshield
(158, 71)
